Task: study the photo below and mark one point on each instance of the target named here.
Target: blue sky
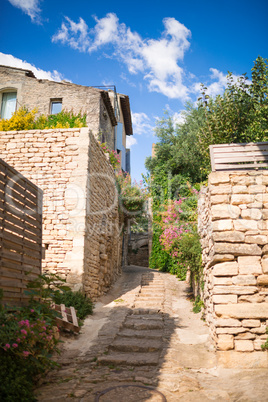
(157, 52)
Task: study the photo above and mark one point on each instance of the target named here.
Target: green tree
(240, 115)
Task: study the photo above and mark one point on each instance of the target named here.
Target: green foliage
(198, 305)
(131, 196)
(239, 115)
(23, 119)
(78, 300)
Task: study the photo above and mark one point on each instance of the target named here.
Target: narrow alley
(144, 343)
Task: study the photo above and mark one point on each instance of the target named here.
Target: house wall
(66, 164)
(34, 93)
(233, 224)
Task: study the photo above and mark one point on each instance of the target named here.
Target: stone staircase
(140, 339)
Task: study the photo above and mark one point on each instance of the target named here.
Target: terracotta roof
(107, 102)
(124, 100)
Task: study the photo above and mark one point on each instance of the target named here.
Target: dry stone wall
(233, 224)
(79, 203)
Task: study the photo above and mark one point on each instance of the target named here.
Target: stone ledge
(243, 311)
(246, 360)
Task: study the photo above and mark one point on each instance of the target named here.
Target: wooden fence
(20, 233)
(250, 156)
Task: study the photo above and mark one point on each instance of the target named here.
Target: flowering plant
(113, 156)
(178, 236)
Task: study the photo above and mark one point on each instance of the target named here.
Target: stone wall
(80, 215)
(233, 224)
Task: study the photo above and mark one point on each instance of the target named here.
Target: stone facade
(33, 93)
(81, 228)
(233, 224)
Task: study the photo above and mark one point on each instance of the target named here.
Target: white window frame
(7, 91)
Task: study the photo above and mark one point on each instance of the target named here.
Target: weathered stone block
(259, 331)
(225, 342)
(224, 212)
(259, 239)
(245, 224)
(251, 323)
(237, 290)
(222, 225)
(243, 311)
(219, 199)
(218, 177)
(224, 299)
(246, 335)
(258, 344)
(221, 280)
(225, 269)
(238, 199)
(223, 189)
(244, 280)
(244, 346)
(256, 298)
(251, 213)
(264, 263)
(227, 322)
(262, 280)
(239, 189)
(231, 330)
(229, 236)
(237, 249)
(249, 265)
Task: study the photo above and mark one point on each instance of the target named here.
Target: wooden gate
(20, 233)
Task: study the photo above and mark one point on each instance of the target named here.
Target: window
(56, 105)
(8, 106)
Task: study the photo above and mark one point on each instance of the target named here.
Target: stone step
(143, 324)
(149, 299)
(126, 344)
(145, 311)
(153, 305)
(146, 334)
(155, 316)
(130, 359)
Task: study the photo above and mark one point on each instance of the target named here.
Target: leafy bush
(198, 305)
(23, 119)
(131, 196)
(78, 300)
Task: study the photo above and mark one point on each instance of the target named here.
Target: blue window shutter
(119, 136)
(123, 158)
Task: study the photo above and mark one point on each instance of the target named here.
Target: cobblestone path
(143, 343)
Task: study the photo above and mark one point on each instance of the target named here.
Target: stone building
(82, 233)
(108, 113)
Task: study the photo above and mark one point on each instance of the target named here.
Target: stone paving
(143, 343)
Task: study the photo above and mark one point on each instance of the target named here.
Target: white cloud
(9, 60)
(156, 59)
(178, 118)
(130, 141)
(29, 7)
(141, 123)
(218, 84)
(73, 34)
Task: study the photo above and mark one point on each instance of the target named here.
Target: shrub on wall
(23, 119)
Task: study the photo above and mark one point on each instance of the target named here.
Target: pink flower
(7, 345)
(32, 311)
(18, 339)
(14, 345)
(25, 353)
(23, 331)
